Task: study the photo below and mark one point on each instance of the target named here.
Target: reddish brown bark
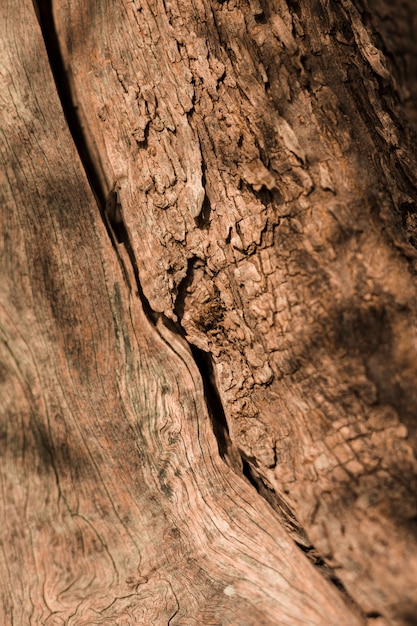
(213, 371)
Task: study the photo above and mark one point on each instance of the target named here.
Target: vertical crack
(107, 200)
(110, 211)
(62, 78)
(111, 214)
(202, 221)
(297, 533)
(227, 450)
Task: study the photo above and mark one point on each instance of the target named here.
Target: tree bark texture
(208, 339)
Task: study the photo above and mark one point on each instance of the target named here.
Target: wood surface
(208, 340)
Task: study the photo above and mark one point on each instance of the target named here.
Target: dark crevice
(296, 531)
(227, 449)
(260, 18)
(213, 400)
(44, 12)
(107, 200)
(114, 217)
(203, 219)
(286, 515)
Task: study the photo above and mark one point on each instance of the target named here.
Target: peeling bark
(208, 333)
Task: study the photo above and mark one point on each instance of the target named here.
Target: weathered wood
(395, 23)
(267, 182)
(116, 507)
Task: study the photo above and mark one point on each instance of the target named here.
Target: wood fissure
(70, 108)
(111, 213)
(115, 504)
(282, 133)
(240, 305)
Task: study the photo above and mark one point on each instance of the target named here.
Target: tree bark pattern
(261, 185)
(267, 185)
(116, 506)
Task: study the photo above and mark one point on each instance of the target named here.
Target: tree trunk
(208, 343)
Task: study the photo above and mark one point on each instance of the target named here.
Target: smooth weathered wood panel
(116, 506)
(268, 182)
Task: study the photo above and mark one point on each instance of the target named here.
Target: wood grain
(116, 507)
(267, 182)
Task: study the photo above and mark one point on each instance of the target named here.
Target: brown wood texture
(116, 508)
(217, 362)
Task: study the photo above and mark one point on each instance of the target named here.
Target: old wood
(208, 355)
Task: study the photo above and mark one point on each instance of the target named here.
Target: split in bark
(253, 166)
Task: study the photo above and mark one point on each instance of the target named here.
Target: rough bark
(232, 308)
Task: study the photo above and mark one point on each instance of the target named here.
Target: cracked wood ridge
(208, 343)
